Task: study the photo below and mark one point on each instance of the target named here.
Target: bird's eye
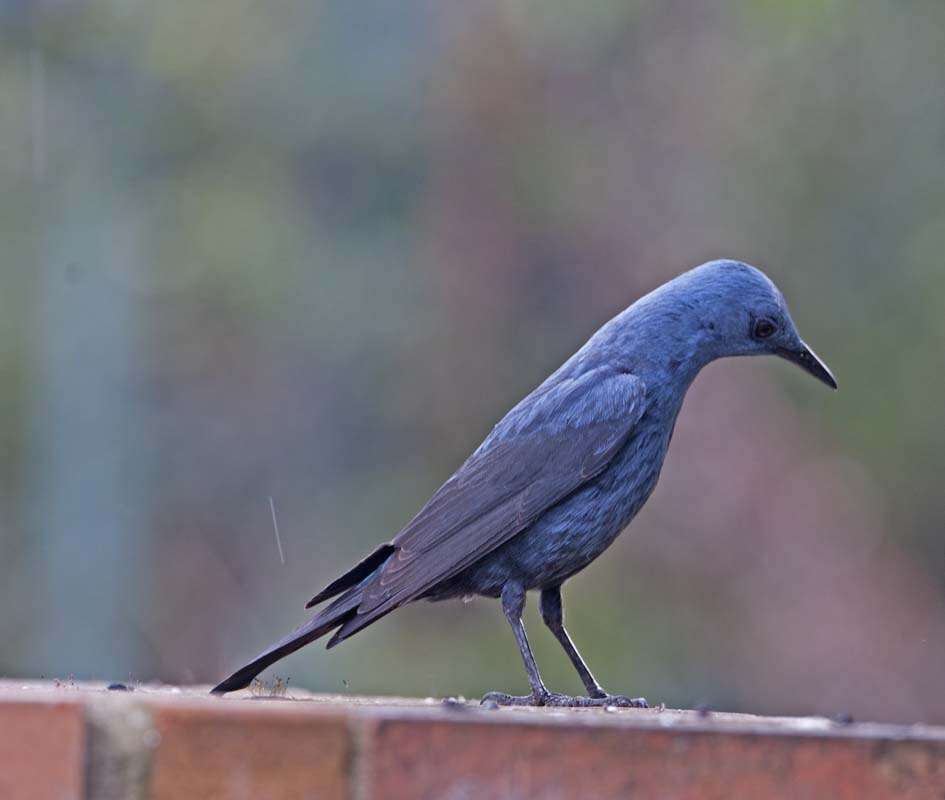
(764, 328)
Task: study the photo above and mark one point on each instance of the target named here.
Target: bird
(561, 474)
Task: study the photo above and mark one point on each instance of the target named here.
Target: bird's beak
(807, 360)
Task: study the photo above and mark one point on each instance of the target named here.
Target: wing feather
(539, 454)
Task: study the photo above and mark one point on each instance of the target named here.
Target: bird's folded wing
(547, 447)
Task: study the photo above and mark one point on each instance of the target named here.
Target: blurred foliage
(314, 250)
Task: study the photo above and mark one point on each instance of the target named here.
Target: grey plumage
(564, 471)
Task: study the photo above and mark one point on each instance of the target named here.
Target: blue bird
(562, 473)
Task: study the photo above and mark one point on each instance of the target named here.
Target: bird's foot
(618, 700)
(564, 700)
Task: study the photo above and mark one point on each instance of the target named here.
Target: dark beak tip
(820, 370)
(808, 360)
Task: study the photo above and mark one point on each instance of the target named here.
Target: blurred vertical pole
(86, 500)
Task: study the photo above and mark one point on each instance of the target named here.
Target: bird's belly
(571, 535)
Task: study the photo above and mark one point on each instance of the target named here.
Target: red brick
(414, 759)
(42, 749)
(238, 748)
(222, 750)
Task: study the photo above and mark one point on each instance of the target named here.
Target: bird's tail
(323, 622)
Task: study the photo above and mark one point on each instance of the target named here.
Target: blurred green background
(313, 251)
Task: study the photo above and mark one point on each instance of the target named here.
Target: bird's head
(741, 312)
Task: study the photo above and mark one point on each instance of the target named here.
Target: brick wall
(68, 741)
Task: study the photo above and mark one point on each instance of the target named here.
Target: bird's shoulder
(569, 402)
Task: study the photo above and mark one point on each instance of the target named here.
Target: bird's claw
(503, 699)
(620, 701)
(564, 700)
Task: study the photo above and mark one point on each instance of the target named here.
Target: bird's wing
(553, 442)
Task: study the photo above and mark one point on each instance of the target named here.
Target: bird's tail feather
(322, 623)
(358, 573)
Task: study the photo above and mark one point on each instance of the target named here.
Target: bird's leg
(553, 615)
(513, 603)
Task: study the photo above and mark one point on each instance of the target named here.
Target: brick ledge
(82, 741)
